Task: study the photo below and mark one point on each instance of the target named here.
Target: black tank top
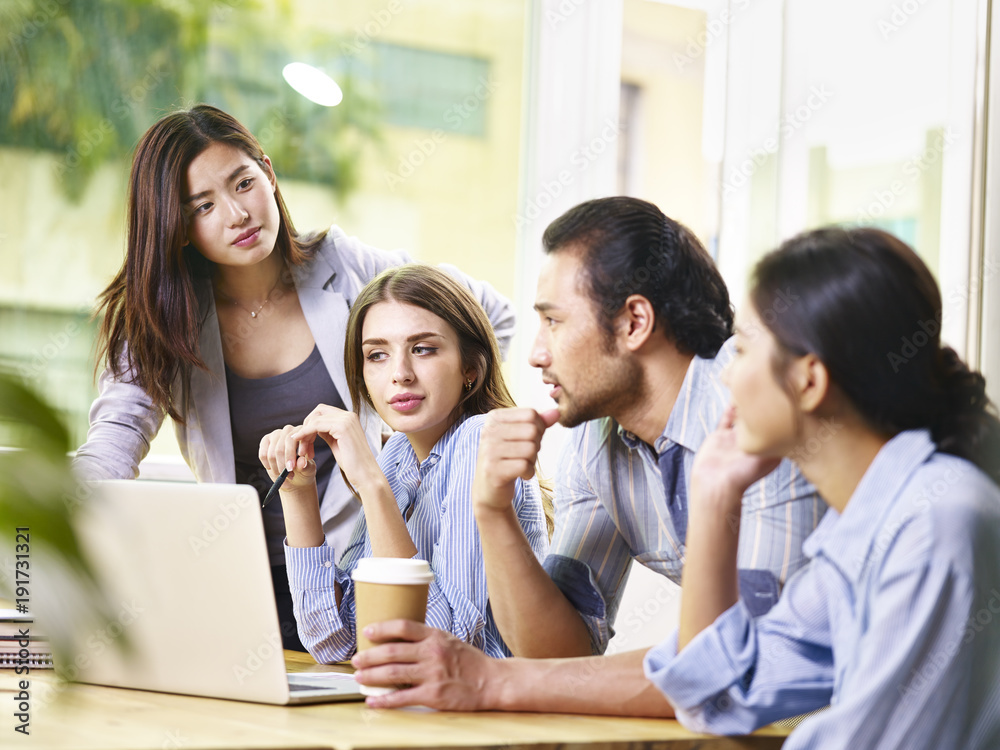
(258, 406)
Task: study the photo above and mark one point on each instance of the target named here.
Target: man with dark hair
(635, 320)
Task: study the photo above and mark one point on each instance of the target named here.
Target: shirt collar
(847, 539)
(684, 426)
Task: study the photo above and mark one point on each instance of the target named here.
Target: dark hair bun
(966, 417)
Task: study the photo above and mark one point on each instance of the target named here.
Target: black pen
(274, 488)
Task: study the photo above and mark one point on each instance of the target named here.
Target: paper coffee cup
(389, 588)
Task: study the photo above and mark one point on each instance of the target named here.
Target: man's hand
(508, 450)
(444, 673)
(441, 671)
(534, 617)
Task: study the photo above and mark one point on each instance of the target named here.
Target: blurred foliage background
(43, 566)
(86, 79)
(82, 80)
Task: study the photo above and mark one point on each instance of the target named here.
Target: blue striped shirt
(611, 505)
(895, 622)
(436, 498)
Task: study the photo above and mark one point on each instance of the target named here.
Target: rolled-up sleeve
(576, 582)
(741, 673)
(589, 559)
(328, 632)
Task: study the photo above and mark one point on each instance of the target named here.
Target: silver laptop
(187, 578)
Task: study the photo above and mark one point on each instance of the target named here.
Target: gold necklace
(253, 313)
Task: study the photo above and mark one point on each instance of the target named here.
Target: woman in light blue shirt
(895, 621)
(421, 353)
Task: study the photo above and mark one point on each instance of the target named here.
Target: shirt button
(327, 564)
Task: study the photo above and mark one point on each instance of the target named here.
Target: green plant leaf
(39, 494)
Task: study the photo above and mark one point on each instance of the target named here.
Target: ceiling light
(313, 84)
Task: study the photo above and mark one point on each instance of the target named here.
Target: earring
(468, 385)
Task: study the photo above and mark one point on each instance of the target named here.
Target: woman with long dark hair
(893, 622)
(421, 355)
(227, 320)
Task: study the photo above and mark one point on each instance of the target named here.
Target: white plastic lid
(398, 570)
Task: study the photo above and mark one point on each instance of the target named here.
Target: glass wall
(422, 153)
(466, 127)
(854, 113)
(753, 120)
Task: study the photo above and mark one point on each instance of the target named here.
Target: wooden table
(88, 717)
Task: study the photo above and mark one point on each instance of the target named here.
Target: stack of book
(14, 651)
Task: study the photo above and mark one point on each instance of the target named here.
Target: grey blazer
(123, 420)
